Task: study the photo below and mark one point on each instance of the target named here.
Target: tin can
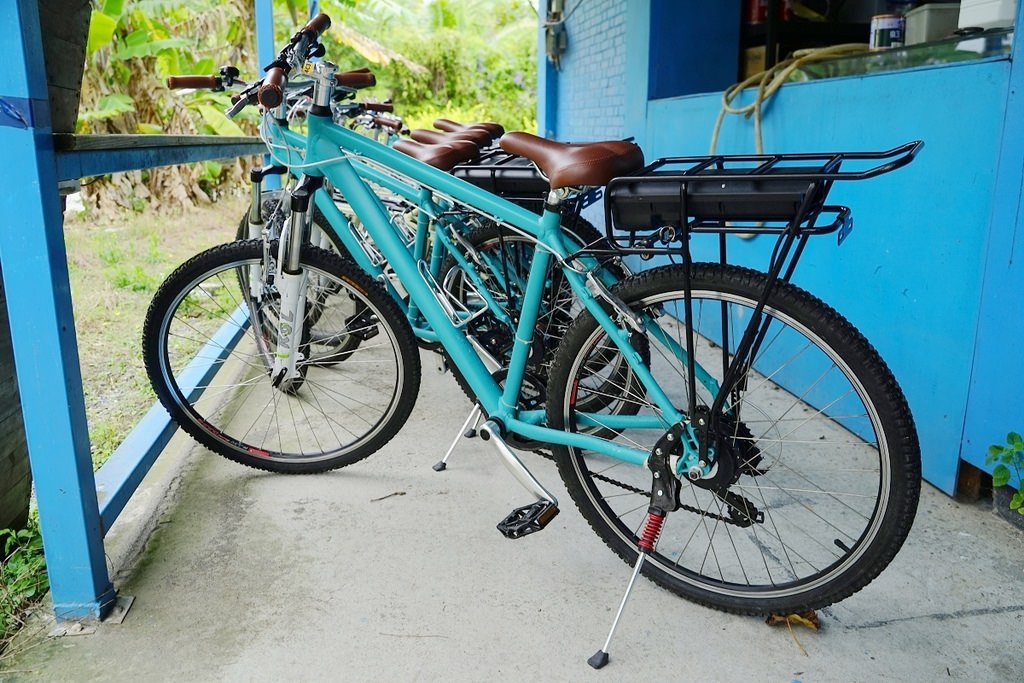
(887, 30)
(755, 11)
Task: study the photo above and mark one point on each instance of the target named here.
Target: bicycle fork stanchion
(291, 286)
(529, 518)
(463, 433)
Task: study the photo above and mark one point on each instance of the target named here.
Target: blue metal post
(638, 55)
(547, 81)
(265, 53)
(42, 326)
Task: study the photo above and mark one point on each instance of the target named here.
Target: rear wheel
(209, 350)
(824, 458)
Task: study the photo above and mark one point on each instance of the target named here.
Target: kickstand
(464, 432)
(664, 499)
(649, 537)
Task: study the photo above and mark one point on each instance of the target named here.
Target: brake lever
(243, 100)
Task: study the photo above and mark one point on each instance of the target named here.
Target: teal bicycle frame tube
(323, 157)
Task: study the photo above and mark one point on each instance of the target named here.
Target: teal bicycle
(729, 434)
(443, 239)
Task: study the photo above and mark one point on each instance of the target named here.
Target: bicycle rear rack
(656, 210)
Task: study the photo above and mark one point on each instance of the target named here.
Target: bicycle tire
(829, 527)
(338, 414)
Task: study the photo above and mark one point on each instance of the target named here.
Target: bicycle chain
(682, 506)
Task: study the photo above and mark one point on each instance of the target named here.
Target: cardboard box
(753, 61)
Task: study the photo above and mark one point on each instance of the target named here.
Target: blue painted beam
(637, 56)
(42, 327)
(117, 480)
(80, 156)
(547, 82)
(266, 53)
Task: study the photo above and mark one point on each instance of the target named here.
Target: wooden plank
(71, 143)
(65, 64)
(969, 482)
(91, 155)
(15, 479)
(65, 19)
(64, 25)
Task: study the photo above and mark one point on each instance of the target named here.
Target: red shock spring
(652, 529)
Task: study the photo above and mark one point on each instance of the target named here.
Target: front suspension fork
(291, 280)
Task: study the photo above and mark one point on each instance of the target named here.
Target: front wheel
(825, 460)
(209, 348)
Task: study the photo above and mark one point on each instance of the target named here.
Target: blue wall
(929, 273)
(596, 83)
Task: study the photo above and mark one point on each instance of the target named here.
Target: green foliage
(23, 578)
(123, 270)
(108, 107)
(474, 57)
(1010, 459)
(467, 59)
(134, 46)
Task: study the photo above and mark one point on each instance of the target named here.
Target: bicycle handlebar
(360, 78)
(379, 106)
(391, 124)
(204, 82)
(271, 92)
(317, 25)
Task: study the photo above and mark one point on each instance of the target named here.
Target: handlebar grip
(391, 124)
(271, 93)
(175, 82)
(379, 106)
(317, 25)
(361, 78)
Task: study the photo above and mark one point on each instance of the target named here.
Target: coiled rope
(768, 83)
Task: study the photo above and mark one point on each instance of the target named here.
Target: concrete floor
(389, 571)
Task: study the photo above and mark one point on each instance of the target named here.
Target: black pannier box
(505, 175)
(660, 198)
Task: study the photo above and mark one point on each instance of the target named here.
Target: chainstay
(646, 494)
(545, 453)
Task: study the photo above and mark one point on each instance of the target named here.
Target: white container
(987, 13)
(933, 21)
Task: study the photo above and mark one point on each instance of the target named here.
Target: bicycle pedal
(528, 519)
(362, 325)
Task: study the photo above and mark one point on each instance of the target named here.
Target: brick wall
(591, 84)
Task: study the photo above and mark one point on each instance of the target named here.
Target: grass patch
(23, 579)
(116, 264)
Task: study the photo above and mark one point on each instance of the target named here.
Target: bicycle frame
(431, 212)
(322, 159)
(805, 439)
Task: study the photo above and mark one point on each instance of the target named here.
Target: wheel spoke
(814, 464)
